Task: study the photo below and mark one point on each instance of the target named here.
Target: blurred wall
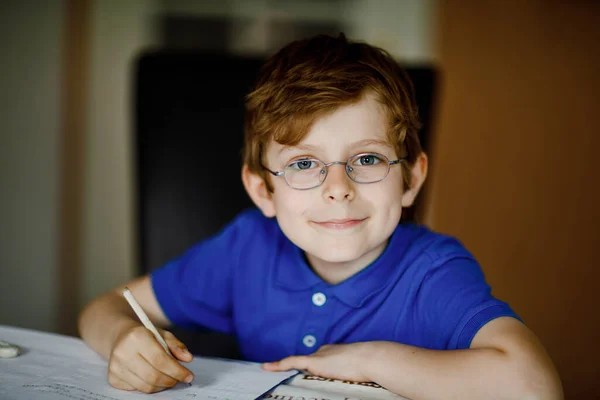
(515, 173)
(404, 28)
(30, 126)
(119, 31)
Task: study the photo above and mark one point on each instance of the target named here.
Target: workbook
(56, 367)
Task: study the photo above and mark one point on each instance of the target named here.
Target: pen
(144, 318)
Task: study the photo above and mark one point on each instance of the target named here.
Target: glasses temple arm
(276, 173)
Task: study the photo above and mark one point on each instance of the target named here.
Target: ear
(257, 190)
(419, 173)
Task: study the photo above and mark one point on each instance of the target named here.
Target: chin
(337, 254)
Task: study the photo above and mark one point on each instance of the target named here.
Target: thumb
(177, 348)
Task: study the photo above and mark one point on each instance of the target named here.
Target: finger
(178, 348)
(132, 379)
(149, 373)
(166, 366)
(293, 362)
(118, 383)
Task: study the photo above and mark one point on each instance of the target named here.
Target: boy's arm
(505, 361)
(104, 319)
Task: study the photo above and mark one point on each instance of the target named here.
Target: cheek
(290, 210)
(386, 194)
(289, 202)
(384, 199)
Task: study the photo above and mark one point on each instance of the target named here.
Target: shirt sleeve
(456, 302)
(195, 290)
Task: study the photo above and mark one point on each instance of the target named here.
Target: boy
(324, 278)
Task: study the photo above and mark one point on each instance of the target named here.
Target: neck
(336, 272)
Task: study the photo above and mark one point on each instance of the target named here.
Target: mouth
(345, 223)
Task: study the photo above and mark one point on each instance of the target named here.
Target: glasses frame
(347, 168)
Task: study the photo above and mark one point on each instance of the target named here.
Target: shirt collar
(294, 274)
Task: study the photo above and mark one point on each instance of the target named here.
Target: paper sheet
(55, 367)
(307, 387)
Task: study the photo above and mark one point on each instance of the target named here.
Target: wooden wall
(514, 170)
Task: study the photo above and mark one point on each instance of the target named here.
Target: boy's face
(339, 221)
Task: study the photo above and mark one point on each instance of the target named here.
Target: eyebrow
(311, 148)
(306, 147)
(376, 142)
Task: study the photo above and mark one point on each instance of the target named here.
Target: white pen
(144, 318)
(139, 311)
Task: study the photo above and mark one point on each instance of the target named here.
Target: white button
(309, 340)
(319, 299)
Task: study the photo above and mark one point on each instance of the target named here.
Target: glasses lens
(369, 167)
(304, 174)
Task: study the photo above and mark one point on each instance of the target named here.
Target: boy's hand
(337, 361)
(138, 361)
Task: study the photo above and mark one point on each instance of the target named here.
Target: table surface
(78, 354)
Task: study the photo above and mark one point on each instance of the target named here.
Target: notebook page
(55, 367)
(316, 388)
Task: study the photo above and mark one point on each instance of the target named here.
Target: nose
(337, 185)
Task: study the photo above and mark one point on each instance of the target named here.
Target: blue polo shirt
(249, 280)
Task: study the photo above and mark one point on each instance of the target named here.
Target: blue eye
(302, 164)
(367, 160)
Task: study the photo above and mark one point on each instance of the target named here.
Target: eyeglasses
(309, 173)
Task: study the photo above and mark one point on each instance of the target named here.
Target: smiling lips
(340, 223)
